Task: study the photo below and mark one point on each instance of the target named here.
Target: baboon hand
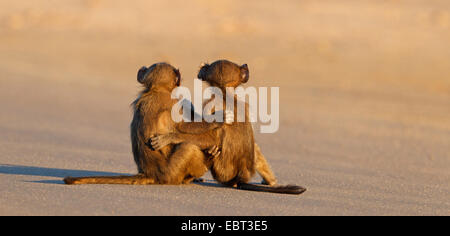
(214, 151)
(159, 141)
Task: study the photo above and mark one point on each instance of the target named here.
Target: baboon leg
(243, 176)
(263, 168)
(185, 164)
(122, 179)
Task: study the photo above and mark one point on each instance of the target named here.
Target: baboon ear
(202, 73)
(141, 74)
(245, 74)
(178, 74)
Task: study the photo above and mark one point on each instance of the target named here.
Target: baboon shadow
(61, 173)
(50, 172)
(213, 184)
(210, 183)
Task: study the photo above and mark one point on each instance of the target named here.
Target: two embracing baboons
(166, 152)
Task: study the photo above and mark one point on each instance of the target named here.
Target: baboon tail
(284, 189)
(121, 179)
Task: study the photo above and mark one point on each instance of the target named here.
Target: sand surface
(364, 102)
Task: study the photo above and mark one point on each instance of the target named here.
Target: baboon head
(159, 74)
(224, 74)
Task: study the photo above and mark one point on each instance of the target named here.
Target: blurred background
(343, 44)
(364, 86)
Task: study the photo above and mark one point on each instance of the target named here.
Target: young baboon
(239, 155)
(174, 164)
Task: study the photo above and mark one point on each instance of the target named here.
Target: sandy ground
(364, 107)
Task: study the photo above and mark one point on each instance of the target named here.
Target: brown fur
(240, 157)
(173, 164)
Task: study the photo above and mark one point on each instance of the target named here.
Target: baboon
(174, 164)
(239, 155)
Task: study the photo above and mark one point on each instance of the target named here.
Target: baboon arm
(203, 126)
(202, 134)
(197, 127)
(191, 127)
(203, 141)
